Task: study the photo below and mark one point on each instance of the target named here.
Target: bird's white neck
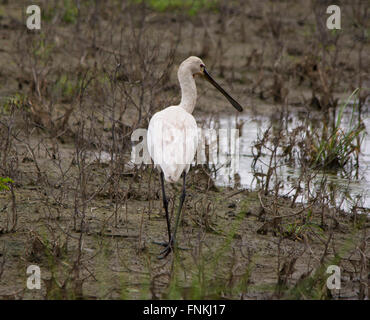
(188, 89)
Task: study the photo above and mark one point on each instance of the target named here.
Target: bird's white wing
(172, 141)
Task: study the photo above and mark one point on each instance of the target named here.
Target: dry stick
(363, 267)
(150, 200)
(14, 209)
(326, 247)
(141, 229)
(236, 193)
(288, 215)
(3, 260)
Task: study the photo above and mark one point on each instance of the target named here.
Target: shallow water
(350, 189)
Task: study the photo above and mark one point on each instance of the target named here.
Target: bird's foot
(161, 243)
(168, 248)
(166, 251)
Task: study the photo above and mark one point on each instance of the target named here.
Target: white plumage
(172, 141)
(173, 133)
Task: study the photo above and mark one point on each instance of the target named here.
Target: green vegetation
(336, 150)
(4, 182)
(18, 100)
(67, 88)
(191, 7)
(42, 48)
(298, 229)
(69, 11)
(213, 275)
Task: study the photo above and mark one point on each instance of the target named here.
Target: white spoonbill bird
(173, 136)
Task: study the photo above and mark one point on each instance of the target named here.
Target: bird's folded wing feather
(172, 140)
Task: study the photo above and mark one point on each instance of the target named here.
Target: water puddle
(250, 126)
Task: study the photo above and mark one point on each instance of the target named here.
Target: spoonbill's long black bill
(235, 104)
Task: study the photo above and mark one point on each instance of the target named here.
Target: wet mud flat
(238, 244)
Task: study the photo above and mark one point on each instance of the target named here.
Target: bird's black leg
(165, 206)
(171, 243)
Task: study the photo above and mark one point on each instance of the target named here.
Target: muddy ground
(75, 91)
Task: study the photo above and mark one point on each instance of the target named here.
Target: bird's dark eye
(202, 66)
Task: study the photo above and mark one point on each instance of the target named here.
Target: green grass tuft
(191, 7)
(336, 151)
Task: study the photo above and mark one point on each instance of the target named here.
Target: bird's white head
(194, 64)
